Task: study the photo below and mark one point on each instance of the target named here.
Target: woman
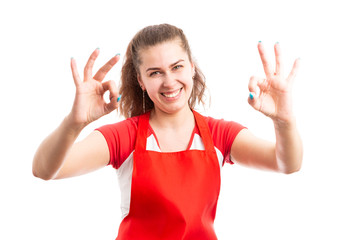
(168, 157)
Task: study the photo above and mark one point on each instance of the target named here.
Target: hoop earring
(144, 101)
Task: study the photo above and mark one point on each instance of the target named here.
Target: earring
(144, 101)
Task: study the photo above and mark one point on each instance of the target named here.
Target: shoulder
(129, 124)
(221, 125)
(223, 134)
(120, 138)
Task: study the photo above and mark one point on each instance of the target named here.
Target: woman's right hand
(89, 103)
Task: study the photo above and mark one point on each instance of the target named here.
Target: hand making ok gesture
(272, 95)
(89, 103)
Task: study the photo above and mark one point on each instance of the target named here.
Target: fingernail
(259, 41)
(277, 43)
(251, 95)
(118, 99)
(118, 54)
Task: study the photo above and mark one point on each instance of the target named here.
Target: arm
(274, 100)
(58, 156)
(283, 156)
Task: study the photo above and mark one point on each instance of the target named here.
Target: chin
(173, 109)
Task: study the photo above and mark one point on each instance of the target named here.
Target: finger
(90, 64)
(74, 71)
(265, 61)
(113, 95)
(278, 59)
(294, 71)
(263, 85)
(101, 73)
(253, 84)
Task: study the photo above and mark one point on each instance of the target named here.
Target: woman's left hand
(272, 95)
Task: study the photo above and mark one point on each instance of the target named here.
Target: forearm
(288, 147)
(52, 151)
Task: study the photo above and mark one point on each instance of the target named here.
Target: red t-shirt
(121, 138)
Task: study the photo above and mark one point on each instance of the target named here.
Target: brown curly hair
(131, 103)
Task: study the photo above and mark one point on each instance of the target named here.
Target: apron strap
(204, 132)
(143, 127)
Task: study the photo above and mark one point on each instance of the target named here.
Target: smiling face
(166, 74)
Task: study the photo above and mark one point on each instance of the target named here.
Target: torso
(121, 138)
(173, 195)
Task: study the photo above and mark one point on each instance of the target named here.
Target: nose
(169, 80)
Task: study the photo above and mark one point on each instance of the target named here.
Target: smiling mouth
(172, 95)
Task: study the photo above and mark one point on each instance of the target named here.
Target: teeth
(172, 94)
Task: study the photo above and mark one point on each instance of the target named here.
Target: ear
(140, 82)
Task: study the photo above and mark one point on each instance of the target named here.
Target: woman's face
(166, 74)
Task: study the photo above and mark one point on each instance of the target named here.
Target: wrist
(288, 123)
(74, 126)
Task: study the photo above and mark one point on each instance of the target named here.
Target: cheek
(152, 88)
(186, 77)
(190, 80)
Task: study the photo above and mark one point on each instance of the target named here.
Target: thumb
(253, 100)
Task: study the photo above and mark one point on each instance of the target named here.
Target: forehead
(162, 54)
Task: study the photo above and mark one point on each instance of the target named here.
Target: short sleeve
(120, 138)
(224, 133)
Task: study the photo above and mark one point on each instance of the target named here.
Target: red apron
(173, 194)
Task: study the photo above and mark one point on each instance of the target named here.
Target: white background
(38, 38)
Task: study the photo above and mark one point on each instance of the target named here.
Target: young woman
(168, 156)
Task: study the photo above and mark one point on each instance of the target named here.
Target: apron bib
(173, 194)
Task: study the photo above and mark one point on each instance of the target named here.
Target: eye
(177, 67)
(154, 73)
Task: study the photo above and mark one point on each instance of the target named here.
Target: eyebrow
(173, 64)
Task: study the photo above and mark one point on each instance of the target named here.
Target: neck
(174, 120)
